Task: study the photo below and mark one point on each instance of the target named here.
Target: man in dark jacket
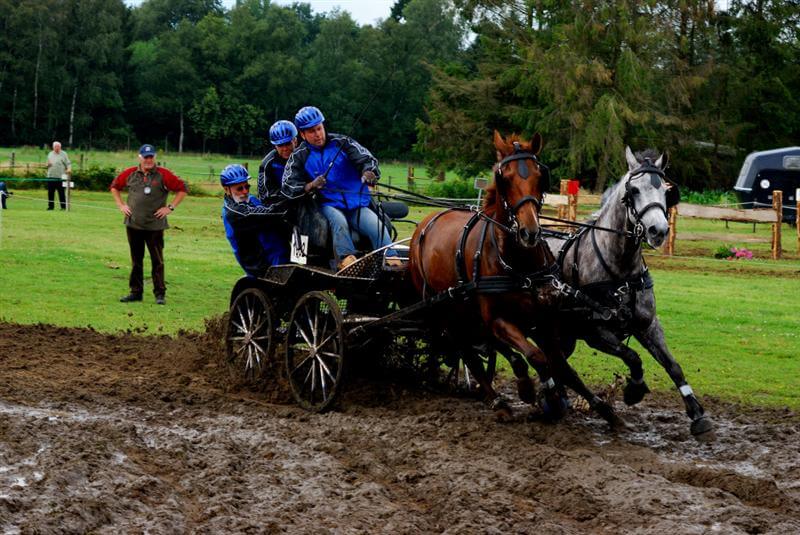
(146, 211)
(254, 231)
(341, 180)
(283, 137)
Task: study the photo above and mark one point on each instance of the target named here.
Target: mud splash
(130, 433)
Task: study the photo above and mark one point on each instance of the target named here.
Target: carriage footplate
(366, 267)
(372, 264)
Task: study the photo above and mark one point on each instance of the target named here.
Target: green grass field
(732, 325)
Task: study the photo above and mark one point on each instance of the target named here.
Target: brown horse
(499, 271)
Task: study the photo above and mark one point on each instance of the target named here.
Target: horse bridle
(672, 198)
(522, 169)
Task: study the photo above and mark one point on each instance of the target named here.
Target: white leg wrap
(637, 381)
(549, 384)
(686, 390)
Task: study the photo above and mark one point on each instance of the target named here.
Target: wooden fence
(773, 215)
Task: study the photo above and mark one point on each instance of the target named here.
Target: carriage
(313, 321)
(766, 171)
(475, 283)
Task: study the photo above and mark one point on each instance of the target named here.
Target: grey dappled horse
(616, 298)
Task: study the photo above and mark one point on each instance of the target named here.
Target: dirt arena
(125, 433)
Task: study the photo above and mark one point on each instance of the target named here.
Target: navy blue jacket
(270, 176)
(344, 188)
(255, 233)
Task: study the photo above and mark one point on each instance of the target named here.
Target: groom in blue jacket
(342, 191)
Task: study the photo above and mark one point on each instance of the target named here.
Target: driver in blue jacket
(255, 231)
(342, 187)
(283, 137)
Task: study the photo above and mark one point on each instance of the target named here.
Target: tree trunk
(72, 113)
(180, 138)
(36, 80)
(13, 113)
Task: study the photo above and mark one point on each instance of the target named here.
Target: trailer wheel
(250, 335)
(315, 350)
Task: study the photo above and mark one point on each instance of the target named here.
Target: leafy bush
(709, 197)
(94, 178)
(453, 188)
(733, 253)
(723, 251)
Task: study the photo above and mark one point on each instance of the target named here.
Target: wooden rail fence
(773, 215)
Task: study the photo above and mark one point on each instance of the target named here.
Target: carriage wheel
(315, 350)
(250, 335)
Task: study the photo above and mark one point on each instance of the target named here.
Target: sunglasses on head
(241, 187)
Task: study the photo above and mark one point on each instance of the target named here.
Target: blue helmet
(282, 132)
(233, 174)
(307, 117)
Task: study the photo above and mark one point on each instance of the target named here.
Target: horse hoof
(502, 411)
(526, 390)
(503, 415)
(634, 393)
(702, 426)
(608, 414)
(554, 406)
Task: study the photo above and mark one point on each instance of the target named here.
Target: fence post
(777, 205)
(563, 190)
(246, 167)
(673, 224)
(67, 188)
(80, 164)
(797, 218)
(440, 176)
(13, 161)
(573, 189)
(410, 178)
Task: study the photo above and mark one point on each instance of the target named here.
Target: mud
(128, 433)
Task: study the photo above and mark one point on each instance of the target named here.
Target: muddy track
(128, 433)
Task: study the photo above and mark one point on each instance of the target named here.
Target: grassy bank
(732, 325)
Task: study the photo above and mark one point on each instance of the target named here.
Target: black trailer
(766, 171)
(310, 321)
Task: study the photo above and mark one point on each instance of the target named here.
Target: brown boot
(346, 261)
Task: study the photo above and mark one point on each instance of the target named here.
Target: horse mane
(647, 153)
(490, 200)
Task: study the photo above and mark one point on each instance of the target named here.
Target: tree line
(704, 83)
(190, 74)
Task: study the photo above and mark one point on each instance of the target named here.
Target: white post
(65, 181)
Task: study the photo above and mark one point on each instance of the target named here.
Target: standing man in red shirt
(146, 211)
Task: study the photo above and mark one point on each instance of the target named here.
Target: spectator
(255, 231)
(146, 212)
(4, 193)
(60, 168)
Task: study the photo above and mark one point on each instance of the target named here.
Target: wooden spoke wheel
(250, 335)
(315, 350)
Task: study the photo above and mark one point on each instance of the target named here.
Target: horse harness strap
(611, 299)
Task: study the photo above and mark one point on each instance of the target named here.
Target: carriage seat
(312, 223)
